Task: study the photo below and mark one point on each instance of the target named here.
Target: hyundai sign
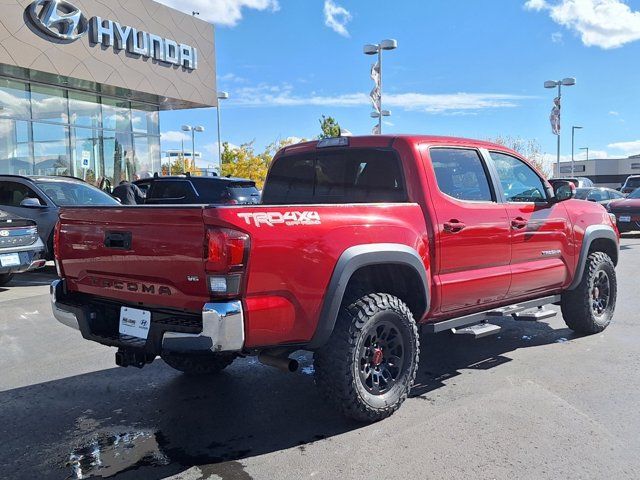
(63, 21)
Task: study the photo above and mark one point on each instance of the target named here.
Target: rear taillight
(56, 247)
(226, 258)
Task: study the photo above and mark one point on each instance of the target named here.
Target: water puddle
(109, 453)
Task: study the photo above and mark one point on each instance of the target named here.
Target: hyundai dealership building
(82, 83)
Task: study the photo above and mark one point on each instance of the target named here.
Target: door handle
(453, 226)
(518, 223)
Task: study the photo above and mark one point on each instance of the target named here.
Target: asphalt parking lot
(535, 402)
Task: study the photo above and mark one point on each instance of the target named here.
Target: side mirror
(563, 190)
(31, 203)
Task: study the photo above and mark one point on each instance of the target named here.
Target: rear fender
(353, 259)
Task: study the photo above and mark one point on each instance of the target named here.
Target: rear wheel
(369, 363)
(589, 307)
(5, 278)
(199, 364)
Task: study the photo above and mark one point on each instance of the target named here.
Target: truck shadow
(155, 422)
(444, 355)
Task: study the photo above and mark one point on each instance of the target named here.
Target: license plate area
(625, 218)
(10, 260)
(134, 322)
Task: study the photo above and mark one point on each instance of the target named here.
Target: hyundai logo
(59, 19)
(4, 233)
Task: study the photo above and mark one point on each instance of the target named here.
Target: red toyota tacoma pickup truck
(357, 243)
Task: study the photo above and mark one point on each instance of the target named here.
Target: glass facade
(55, 131)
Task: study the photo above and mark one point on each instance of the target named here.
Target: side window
(520, 182)
(597, 195)
(290, 181)
(13, 193)
(614, 195)
(461, 174)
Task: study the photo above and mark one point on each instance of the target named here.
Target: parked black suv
(194, 190)
(21, 249)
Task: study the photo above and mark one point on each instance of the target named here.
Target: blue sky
(463, 67)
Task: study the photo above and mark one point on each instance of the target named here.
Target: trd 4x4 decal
(272, 219)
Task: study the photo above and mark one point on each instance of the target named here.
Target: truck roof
(387, 140)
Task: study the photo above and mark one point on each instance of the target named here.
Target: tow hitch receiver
(130, 358)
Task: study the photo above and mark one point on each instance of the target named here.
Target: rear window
(338, 176)
(178, 191)
(633, 182)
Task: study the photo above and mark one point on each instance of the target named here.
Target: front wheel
(369, 363)
(199, 364)
(5, 278)
(589, 307)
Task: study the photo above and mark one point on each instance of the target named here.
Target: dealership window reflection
(53, 131)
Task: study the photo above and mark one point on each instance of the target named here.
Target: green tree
(528, 148)
(330, 127)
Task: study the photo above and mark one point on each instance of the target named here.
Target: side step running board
(535, 315)
(483, 317)
(478, 331)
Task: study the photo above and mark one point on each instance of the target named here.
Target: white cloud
(556, 37)
(174, 136)
(336, 17)
(614, 113)
(222, 12)
(631, 147)
(601, 23)
(450, 103)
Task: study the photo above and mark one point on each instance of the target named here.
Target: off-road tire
(578, 304)
(199, 364)
(5, 278)
(338, 362)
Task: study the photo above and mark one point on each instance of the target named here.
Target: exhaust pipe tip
(283, 363)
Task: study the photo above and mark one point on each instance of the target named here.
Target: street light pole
(573, 136)
(221, 96)
(567, 82)
(193, 130)
(376, 49)
(587, 149)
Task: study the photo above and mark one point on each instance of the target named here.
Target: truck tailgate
(137, 255)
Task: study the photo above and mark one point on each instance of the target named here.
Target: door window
(461, 174)
(519, 181)
(13, 193)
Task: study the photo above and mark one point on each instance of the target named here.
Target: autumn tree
(330, 127)
(244, 162)
(180, 166)
(528, 148)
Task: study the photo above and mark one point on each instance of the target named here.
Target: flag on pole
(375, 94)
(554, 118)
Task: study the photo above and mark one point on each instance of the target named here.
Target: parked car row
(35, 202)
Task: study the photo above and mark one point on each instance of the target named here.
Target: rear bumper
(31, 258)
(221, 328)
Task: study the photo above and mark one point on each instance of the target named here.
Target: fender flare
(592, 233)
(351, 261)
